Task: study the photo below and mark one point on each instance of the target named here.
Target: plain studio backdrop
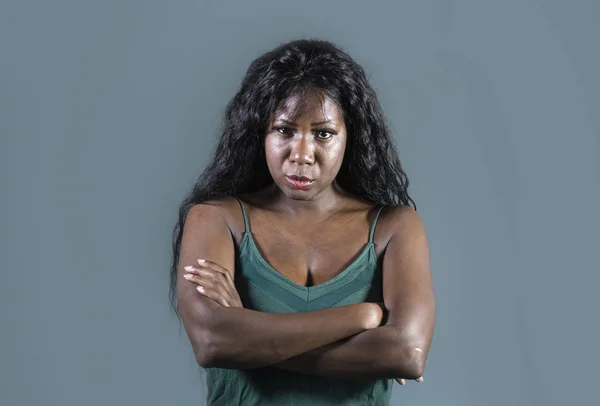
(109, 110)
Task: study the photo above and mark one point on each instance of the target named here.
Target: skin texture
(309, 236)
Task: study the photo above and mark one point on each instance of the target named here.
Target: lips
(300, 178)
(299, 182)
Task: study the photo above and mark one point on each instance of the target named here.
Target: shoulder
(221, 209)
(224, 210)
(402, 215)
(216, 206)
(402, 222)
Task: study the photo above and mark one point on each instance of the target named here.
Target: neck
(323, 204)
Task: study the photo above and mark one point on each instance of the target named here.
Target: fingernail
(200, 289)
(188, 268)
(202, 261)
(187, 276)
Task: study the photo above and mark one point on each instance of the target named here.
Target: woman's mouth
(299, 182)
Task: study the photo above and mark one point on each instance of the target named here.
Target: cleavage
(306, 262)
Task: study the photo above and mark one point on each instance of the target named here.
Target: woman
(300, 269)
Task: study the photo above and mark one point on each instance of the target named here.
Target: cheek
(336, 154)
(274, 152)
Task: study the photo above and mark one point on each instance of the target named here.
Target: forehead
(312, 104)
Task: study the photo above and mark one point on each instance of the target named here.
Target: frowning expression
(305, 144)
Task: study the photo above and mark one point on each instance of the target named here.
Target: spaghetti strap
(374, 224)
(246, 225)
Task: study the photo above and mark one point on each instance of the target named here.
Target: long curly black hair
(371, 168)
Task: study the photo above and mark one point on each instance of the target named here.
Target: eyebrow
(316, 123)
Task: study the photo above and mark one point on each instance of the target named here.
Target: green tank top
(262, 288)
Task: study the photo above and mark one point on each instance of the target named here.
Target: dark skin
(309, 236)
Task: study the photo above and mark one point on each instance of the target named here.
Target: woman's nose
(302, 152)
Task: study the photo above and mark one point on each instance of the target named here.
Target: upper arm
(206, 235)
(408, 288)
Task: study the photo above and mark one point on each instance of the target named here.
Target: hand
(403, 381)
(214, 282)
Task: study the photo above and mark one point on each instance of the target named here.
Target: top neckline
(268, 270)
(368, 251)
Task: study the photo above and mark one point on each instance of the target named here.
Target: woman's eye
(320, 134)
(324, 134)
(283, 130)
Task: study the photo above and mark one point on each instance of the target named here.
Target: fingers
(208, 285)
(403, 381)
(217, 268)
(212, 271)
(216, 281)
(204, 277)
(214, 296)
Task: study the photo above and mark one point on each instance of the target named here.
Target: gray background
(109, 111)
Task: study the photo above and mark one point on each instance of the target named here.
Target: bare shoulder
(216, 209)
(403, 219)
(207, 235)
(398, 222)
(220, 212)
(219, 205)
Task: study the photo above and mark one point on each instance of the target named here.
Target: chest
(263, 287)
(307, 263)
(313, 254)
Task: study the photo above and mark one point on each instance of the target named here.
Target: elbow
(407, 351)
(205, 345)
(409, 364)
(206, 336)
(205, 359)
(415, 369)
(408, 360)
(206, 352)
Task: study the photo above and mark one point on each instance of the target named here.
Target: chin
(299, 194)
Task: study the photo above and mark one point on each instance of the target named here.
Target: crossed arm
(342, 342)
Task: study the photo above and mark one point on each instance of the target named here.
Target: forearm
(241, 338)
(379, 353)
